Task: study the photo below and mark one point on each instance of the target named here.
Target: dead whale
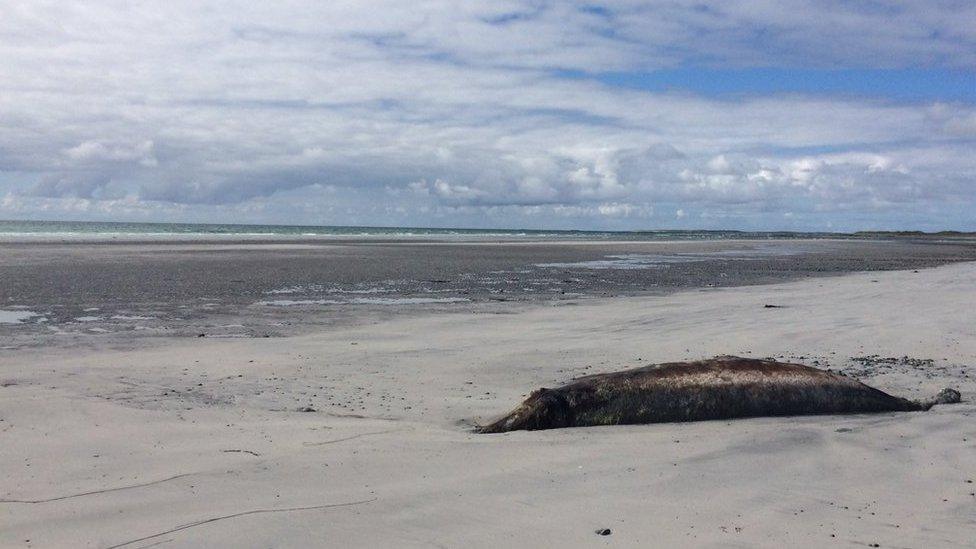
(719, 388)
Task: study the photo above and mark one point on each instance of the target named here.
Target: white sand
(403, 472)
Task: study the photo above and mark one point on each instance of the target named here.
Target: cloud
(77, 185)
(438, 112)
(97, 151)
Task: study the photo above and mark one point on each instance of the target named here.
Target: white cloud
(141, 153)
(199, 105)
(616, 209)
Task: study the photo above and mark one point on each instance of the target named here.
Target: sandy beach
(189, 442)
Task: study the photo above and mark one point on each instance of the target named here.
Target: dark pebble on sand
(603, 532)
(306, 409)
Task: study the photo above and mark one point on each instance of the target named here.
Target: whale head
(544, 409)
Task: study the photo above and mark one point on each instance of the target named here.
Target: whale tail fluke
(945, 396)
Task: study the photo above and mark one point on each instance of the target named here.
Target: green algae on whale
(723, 387)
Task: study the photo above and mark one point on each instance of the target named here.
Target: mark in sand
(93, 492)
(241, 514)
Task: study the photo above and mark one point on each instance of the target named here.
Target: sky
(740, 114)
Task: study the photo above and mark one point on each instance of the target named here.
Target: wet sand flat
(284, 287)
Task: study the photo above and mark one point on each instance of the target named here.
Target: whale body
(723, 387)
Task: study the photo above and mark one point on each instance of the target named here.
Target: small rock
(306, 409)
(603, 532)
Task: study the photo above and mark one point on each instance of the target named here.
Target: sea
(99, 230)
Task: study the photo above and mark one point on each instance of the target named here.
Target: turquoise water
(84, 230)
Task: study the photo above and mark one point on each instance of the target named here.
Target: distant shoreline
(58, 231)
